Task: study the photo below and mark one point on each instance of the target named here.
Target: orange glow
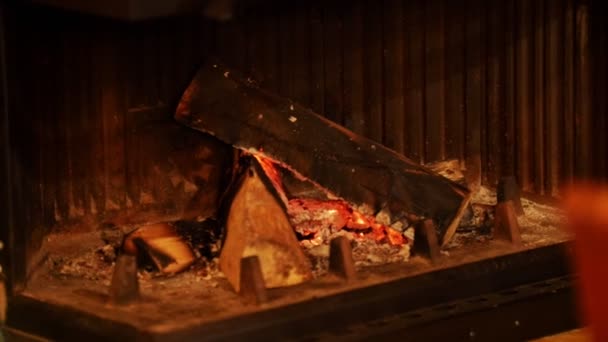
(357, 221)
(378, 232)
(395, 237)
(311, 214)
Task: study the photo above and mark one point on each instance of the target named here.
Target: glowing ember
(316, 220)
(357, 221)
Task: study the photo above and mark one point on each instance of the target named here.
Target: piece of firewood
(161, 242)
(257, 225)
(369, 176)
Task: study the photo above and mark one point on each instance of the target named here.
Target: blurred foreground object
(587, 209)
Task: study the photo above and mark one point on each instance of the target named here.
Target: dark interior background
(518, 85)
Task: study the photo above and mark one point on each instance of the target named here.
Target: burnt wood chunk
(425, 242)
(252, 286)
(341, 260)
(257, 225)
(508, 190)
(124, 288)
(364, 173)
(163, 245)
(506, 226)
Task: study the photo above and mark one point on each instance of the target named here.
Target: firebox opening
(243, 195)
(353, 109)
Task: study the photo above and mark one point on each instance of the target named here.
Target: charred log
(163, 245)
(360, 171)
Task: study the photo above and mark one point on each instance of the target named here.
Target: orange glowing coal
(312, 218)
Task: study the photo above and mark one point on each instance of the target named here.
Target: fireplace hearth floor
(203, 297)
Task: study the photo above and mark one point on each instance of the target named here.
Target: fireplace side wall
(512, 87)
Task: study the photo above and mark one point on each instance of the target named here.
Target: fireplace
(128, 135)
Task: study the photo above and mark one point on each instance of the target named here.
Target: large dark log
(361, 171)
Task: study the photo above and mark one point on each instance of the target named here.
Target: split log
(358, 170)
(257, 225)
(165, 247)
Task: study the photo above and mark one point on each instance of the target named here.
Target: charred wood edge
(252, 286)
(160, 259)
(506, 226)
(425, 241)
(341, 260)
(268, 183)
(242, 164)
(319, 314)
(149, 243)
(508, 190)
(124, 288)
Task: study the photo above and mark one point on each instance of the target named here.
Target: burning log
(160, 241)
(257, 225)
(373, 179)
